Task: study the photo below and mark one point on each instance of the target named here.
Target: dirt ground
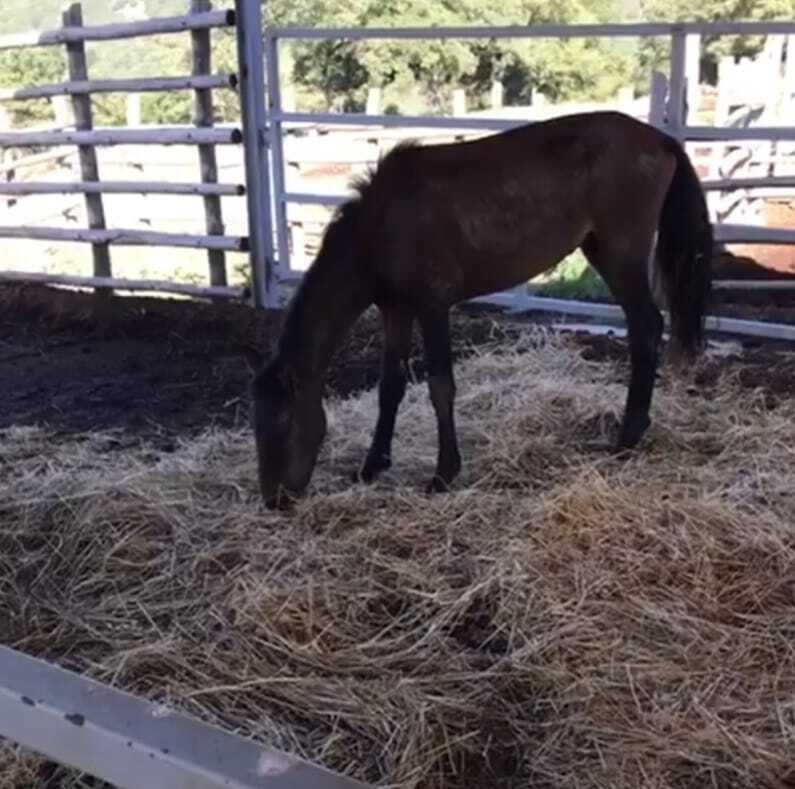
(155, 369)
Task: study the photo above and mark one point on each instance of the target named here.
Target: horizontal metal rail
(721, 133)
(158, 136)
(520, 302)
(692, 133)
(413, 121)
(754, 284)
(132, 285)
(524, 303)
(23, 188)
(650, 29)
(133, 743)
(307, 198)
(725, 233)
(753, 234)
(118, 31)
(718, 284)
(137, 85)
(728, 184)
(123, 237)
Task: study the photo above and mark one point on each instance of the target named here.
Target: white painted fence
(668, 110)
(668, 106)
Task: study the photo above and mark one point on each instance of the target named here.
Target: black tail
(684, 254)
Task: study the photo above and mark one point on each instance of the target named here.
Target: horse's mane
(339, 237)
(345, 220)
(361, 183)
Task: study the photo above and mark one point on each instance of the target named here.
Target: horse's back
(477, 216)
(570, 148)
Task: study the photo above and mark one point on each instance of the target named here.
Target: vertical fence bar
(657, 97)
(693, 73)
(277, 148)
(203, 107)
(264, 282)
(89, 169)
(677, 111)
(789, 73)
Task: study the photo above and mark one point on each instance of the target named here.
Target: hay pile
(564, 619)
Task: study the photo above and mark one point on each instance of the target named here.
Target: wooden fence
(80, 88)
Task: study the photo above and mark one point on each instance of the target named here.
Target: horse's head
(289, 426)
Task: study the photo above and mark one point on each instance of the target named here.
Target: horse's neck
(328, 302)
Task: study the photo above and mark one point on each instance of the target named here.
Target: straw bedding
(563, 619)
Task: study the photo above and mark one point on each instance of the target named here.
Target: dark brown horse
(437, 225)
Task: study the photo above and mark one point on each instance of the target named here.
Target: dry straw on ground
(563, 619)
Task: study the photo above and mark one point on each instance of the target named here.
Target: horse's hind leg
(438, 353)
(392, 387)
(626, 275)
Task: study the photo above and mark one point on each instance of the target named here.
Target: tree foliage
(30, 67)
(341, 71)
(414, 76)
(655, 53)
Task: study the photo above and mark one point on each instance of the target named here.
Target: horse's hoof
(371, 469)
(437, 485)
(631, 434)
(278, 503)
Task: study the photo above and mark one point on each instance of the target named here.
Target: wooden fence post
(496, 95)
(133, 110)
(459, 102)
(81, 104)
(203, 104)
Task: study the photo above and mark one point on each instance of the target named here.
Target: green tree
(340, 71)
(655, 54)
(30, 67)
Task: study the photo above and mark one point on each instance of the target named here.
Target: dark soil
(159, 368)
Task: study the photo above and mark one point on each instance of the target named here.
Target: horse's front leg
(439, 357)
(397, 346)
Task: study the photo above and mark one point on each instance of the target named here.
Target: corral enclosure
(563, 618)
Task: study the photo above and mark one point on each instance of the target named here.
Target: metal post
(789, 74)
(677, 110)
(693, 73)
(277, 148)
(264, 280)
(658, 94)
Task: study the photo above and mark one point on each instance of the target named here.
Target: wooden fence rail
(147, 27)
(137, 85)
(24, 188)
(132, 285)
(123, 237)
(203, 108)
(155, 136)
(203, 134)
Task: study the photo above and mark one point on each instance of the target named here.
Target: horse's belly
(492, 271)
